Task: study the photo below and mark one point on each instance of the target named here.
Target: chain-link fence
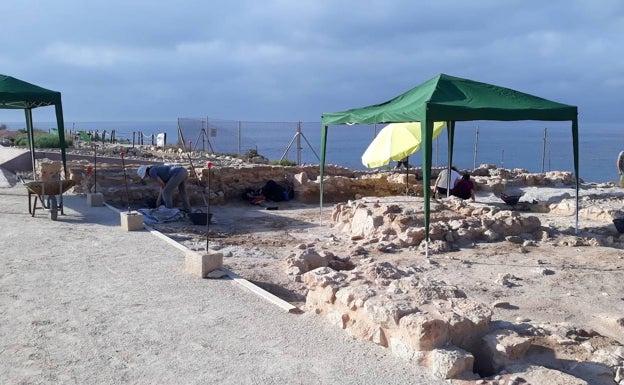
(299, 142)
(275, 140)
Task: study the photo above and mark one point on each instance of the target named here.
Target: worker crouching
(168, 178)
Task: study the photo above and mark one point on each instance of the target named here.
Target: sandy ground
(552, 282)
(83, 302)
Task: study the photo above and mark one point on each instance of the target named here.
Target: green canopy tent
(450, 99)
(18, 94)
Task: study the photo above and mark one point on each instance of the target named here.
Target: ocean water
(534, 146)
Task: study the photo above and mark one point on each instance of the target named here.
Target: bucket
(199, 218)
(510, 199)
(619, 225)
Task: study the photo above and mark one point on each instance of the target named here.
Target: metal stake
(95, 168)
(123, 165)
(476, 148)
(209, 165)
(544, 149)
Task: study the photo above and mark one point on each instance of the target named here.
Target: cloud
(277, 58)
(90, 56)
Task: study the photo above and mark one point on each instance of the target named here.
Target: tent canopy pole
(31, 138)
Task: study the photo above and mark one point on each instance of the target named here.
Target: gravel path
(83, 302)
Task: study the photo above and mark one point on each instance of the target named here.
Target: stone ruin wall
(228, 181)
(428, 322)
(453, 222)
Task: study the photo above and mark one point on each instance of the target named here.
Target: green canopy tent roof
(450, 99)
(18, 94)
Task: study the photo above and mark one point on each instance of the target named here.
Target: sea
(533, 146)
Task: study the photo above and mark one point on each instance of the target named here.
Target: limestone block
(379, 337)
(359, 221)
(131, 220)
(308, 259)
(424, 332)
(469, 321)
(327, 294)
(540, 375)
(404, 284)
(354, 297)
(338, 318)
(95, 199)
(201, 264)
(386, 312)
(564, 207)
(451, 362)
(363, 329)
(323, 276)
(384, 270)
(315, 301)
(401, 350)
(504, 347)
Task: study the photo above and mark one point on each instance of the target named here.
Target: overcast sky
(268, 60)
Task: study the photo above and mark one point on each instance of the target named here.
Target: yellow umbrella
(396, 141)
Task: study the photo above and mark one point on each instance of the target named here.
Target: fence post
(299, 143)
(239, 137)
(476, 149)
(544, 150)
(203, 135)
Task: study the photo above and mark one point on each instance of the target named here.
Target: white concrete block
(131, 221)
(95, 199)
(202, 264)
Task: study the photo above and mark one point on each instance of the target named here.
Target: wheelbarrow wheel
(53, 206)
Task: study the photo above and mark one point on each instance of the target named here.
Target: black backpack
(273, 191)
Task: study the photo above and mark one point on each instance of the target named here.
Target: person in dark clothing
(442, 181)
(465, 188)
(169, 178)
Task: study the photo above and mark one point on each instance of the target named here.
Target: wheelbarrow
(46, 192)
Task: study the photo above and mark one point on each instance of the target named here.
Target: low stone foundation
(433, 323)
(453, 222)
(229, 178)
(430, 323)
